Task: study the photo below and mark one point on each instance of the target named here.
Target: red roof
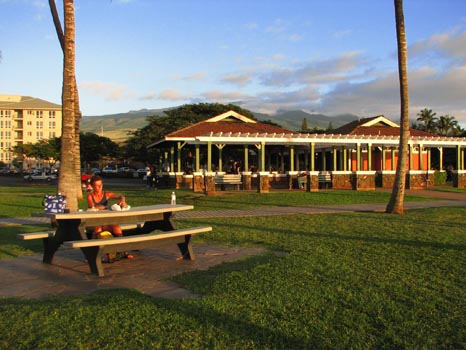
(233, 126)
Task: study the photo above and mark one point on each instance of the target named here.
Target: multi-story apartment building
(25, 119)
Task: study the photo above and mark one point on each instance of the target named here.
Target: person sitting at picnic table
(98, 200)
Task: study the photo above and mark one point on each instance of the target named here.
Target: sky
(329, 57)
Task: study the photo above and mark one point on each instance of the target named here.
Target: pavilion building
(360, 155)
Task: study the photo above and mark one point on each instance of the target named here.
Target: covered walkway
(361, 155)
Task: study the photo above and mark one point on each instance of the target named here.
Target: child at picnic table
(98, 200)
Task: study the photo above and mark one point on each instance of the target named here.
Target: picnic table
(148, 222)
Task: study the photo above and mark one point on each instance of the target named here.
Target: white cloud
(196, 76)
(224, 96)
(166, 94)
(323, 71)
(350, 83)
(171, 95)
(110, 90)
(451, 44)
(237, 79)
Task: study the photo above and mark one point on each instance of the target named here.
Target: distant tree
(427, 116)
(317, 130)
(174, 119)
(447, 125)
(416, 126)
(95, 147)
(304, 127)
(330, 127)
(45, 150)
(270, 122)
(395, 205)
(24, 150)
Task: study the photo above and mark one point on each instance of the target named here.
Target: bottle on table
(173, 199)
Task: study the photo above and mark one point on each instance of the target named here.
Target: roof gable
(380, 120)
(355, 127)
(230, 116)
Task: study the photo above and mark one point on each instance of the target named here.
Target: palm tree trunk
(395, 205)
(78, 115)
(67, 178)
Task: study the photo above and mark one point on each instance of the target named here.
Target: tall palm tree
(67, 178)
(427, 117)
(78, 115)
(395, 205)
(447, 125)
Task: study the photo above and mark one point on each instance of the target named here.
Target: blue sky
(330, 57)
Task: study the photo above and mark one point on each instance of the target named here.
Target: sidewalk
(28, 277)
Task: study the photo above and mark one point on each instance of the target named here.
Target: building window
(52, 114)
(29, 123)
(39, 124)
(51, 134)
(51, 124)
(30, 133)
(39, 135)
(39, 114)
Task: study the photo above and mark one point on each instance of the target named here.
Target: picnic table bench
(150, 226)
(228, 179)
(325, 179)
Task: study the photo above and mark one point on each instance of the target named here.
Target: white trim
(341, 172)
(230, 114)
(365, 172)
(379, 119)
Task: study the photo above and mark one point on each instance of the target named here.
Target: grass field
(345, 281)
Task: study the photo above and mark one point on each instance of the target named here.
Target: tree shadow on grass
(272, 244)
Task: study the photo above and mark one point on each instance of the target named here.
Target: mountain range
(118, 127)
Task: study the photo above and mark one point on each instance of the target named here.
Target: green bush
(440, 177)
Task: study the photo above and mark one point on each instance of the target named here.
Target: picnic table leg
(166, 224)
(186, 248)
(50, 247)
(66, 231)
(94, 259)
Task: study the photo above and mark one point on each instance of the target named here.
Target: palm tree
(427, 117)
(395, 205)
(447, 125)
(77, 112)
(67, 179)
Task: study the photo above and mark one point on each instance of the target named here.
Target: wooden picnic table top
(133, 211)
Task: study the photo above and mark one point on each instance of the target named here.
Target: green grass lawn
(333, 281)
(18, 201)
